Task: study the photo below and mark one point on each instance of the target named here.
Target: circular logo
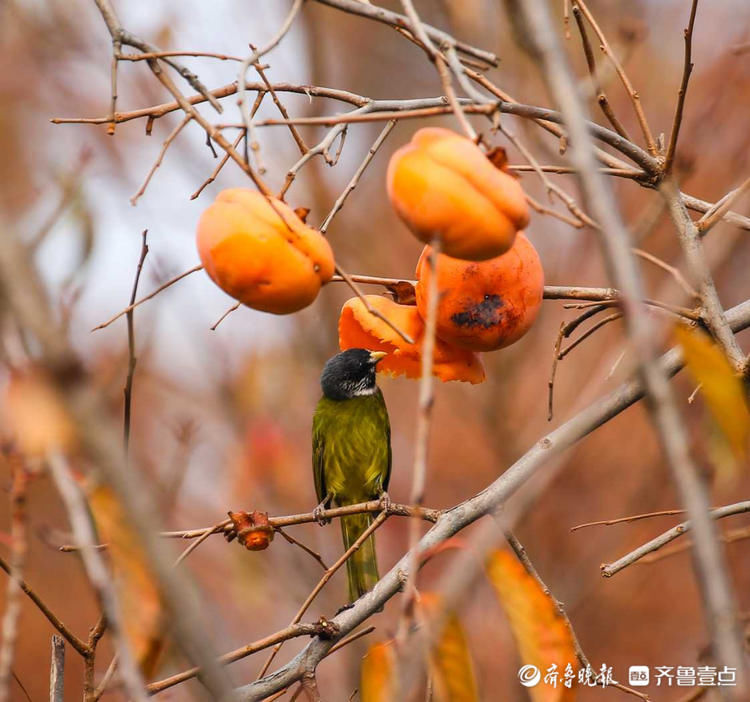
(529, 675)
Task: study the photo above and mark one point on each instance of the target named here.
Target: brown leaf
(403, 292)
(542, 634)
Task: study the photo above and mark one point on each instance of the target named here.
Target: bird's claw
(318, 514)
(385, 502)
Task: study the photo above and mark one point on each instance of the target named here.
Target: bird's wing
(387, 427)
(318, 458)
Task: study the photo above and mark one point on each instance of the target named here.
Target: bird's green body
(352, 464)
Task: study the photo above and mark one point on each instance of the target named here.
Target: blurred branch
(25, 297)
(380, 14)
(80, 521)
(610, 569)
(720, 210)
(19, 548)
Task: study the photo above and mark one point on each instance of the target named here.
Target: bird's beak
(376, 356)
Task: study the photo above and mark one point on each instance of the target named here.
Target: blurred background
(221, 419)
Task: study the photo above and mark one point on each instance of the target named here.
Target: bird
(351, 453)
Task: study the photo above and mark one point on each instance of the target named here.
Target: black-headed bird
(351, 453)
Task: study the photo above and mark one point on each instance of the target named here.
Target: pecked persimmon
(259, 251)
(484, 305)
(441, 184)
(358, 328)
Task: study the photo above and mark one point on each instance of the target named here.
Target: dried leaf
(376, 676)
(542, 634)
(140, 603)
(403, 292)
(451, 665)
(722, 389)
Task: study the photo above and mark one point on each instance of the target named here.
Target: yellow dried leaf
(542, 634)
(451, 666)
(376, 676)
(720, 386)
(140, 603)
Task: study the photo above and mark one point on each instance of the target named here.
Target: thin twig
(632, 93)
(167, 142)
(357, 175)
(296, 542)
(716, 214)
(682, 94)
(632, 518)
(229, 311)
(353, 286)
(133, 305)
(51, 617)
(601, 96)
(610, 569)
(128, 389)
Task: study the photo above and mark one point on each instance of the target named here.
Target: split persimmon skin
(257, 250)
(487, 305)
(358, 328)
(442, 185)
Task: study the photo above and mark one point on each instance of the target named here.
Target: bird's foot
(318, 513)
(385, 502)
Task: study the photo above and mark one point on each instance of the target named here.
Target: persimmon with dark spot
(486, 305)
(442, 185)
(260, 252)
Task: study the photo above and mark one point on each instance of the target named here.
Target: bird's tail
(362, 565)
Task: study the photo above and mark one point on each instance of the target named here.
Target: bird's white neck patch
(360, 391)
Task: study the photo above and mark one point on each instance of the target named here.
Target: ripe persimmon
(359, 328)
(484, 305)
(442, 185)
(257, 250)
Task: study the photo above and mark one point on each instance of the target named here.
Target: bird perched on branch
(351, 441)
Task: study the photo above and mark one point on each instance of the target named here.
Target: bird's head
(350, 373)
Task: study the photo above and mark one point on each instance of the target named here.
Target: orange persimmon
(484, 305)
(442, 185)
(358, 328)
(257, 250)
